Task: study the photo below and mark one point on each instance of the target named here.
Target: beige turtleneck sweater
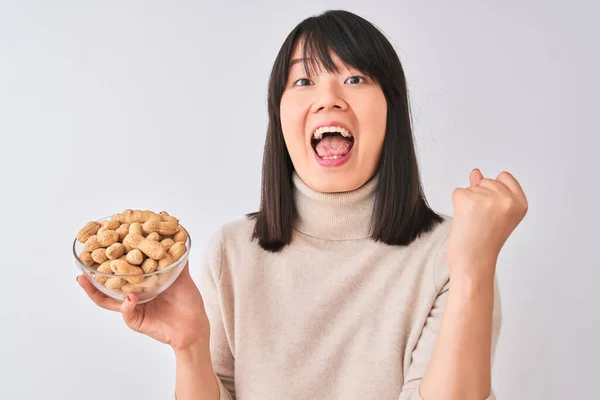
(334, 315)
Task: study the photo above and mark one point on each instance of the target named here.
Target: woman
(345, 284)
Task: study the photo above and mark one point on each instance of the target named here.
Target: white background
(107, 105)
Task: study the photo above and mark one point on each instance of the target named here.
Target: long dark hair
(401, 212)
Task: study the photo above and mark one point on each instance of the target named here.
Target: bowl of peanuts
(136, 251)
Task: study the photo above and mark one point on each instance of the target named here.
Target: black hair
(401, 212)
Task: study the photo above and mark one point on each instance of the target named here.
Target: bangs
(354, 45)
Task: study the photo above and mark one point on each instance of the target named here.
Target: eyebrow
(296, 61)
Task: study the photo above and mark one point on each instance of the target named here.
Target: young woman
(345, 284)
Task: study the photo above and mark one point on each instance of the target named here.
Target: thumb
(132, 316)
(475, 177)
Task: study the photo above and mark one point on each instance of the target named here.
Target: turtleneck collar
(334, 216)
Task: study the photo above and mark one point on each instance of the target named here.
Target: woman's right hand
(175, 317)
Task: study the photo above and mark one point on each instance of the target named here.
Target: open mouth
(332, 145)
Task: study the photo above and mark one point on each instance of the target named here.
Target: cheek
(373, 121)
(290, 113)
(292, 124)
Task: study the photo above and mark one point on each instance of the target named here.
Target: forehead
(313, 63)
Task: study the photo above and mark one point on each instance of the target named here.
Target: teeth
(318, 134)
(331, 157)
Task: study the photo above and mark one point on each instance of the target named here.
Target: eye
(355, 78)
(300, 80)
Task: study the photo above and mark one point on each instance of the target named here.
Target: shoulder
(433, 246)
(231, 237)
(432, 242)
(231, 234)
(440, 232)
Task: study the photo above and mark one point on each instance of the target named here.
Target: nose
(329, 97)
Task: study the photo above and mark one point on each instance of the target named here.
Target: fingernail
(128, 298)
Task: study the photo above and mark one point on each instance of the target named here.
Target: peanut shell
(99, 255)
(149, 266)
(87, 231)
(177, 250)
(115, 251)
(122, 267)
(135, 257)
(151, 248)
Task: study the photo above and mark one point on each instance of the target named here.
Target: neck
(334, 216)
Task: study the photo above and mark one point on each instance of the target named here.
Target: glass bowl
(145, 286)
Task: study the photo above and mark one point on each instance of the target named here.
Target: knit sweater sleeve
(423, 350)
(209, 286)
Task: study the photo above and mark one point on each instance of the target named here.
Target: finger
(511, 183)
(97, 296)
(495, 186)
(132, 316)
(480, 190)
(475, 177)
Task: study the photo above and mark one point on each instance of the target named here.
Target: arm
(195, 378)
(460, 367)
(486, 213)
(456, 346)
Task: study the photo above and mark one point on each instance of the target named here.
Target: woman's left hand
(485, 214)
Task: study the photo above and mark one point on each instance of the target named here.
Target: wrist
(193, 353)
(472, 269)
(466, 288)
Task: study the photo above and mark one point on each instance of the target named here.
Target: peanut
(108, 226)
(165, 262)
(167, 243)
(149, 282)
(135, 257)
(87, 231)
(114, 283)
(151, 248)
(123, 230)
(132, 288)
(103, 239)
(162, 225)
(115, 251)
(177, 250)
(181, 235)
(99, 255)
(149, 266)
(121, 267)
(136, 228)
(154, 236)
(131, 244)
(86, 258)
(104, 268)
(91, 244)
(129, 216)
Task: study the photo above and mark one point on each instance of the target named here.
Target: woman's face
(344, 159)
